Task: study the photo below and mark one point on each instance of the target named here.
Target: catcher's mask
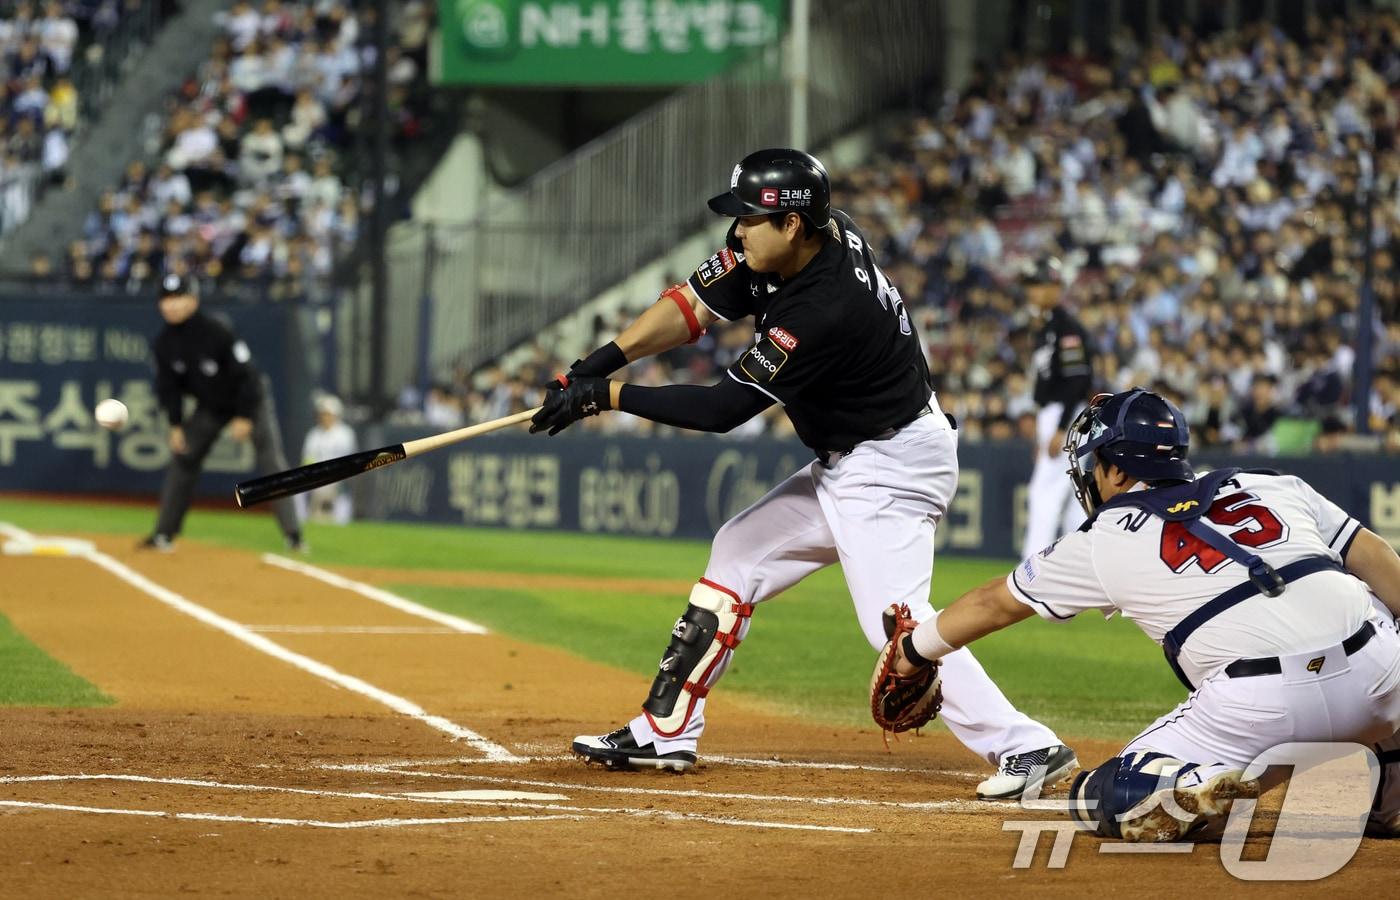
(1138, 431)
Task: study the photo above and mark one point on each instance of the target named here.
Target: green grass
(804, 654)
(30, 677)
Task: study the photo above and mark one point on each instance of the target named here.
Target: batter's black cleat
(619, 750)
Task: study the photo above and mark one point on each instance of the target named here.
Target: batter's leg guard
(1150, 797)
(702, 643)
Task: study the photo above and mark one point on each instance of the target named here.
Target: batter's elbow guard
(702, 643)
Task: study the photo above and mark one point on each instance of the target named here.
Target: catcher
(1274, 607)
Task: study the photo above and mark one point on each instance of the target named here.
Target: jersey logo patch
(1183, 506)
(763, 361)
(1315, 665)
(716, 267)
(783, 339)
(1028, 570)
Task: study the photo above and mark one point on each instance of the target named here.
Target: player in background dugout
(198, 356)
(835, 347)
(328, 438)
(1064, 375)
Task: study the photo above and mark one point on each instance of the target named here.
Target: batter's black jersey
(1064, 363)
(834, 344)
(203, 358)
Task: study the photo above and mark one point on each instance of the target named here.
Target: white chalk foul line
(239, 632)
(378, 595)
(348, 629)
(15, 533)
(272, 820)
(393, 797)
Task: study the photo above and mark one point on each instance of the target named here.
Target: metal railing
(20, 189)
(585, 222)
(101, 64)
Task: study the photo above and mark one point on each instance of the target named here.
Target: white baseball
(111, 414)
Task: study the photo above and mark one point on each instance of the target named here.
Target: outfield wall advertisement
(59, 358)
(686, 487)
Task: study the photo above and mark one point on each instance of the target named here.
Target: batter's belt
(829, 458)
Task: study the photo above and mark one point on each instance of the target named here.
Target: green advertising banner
(598, 42)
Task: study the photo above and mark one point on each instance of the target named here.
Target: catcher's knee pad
(702, 643)
(1100, 799)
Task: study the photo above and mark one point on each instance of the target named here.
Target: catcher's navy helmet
(1140, 432)
(777, 180)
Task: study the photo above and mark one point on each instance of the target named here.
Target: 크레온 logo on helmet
(795, 196)
(768, 196)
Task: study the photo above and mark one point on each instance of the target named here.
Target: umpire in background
(1064, 375)
(199, 356)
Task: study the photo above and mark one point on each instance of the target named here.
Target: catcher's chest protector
(702, 643)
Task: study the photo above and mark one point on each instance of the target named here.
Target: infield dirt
(223, 770)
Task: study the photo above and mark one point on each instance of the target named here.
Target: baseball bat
(309, 477)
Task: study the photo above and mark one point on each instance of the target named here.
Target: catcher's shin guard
(702, 643)
(1148, 796)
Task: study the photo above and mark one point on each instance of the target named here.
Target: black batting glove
(582, 397)
(602, 362)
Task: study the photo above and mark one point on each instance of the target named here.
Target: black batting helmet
(777, 180)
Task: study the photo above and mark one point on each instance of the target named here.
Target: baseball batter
(835, 347)
(1272, 605)
(1064, 375)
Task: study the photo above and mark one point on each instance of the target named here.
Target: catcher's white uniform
(1338, 654)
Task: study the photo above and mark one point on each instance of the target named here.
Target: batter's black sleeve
(719, 407)
(722, 283)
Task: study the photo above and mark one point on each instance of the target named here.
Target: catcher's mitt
(901, 702)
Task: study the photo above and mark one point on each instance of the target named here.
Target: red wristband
(674, 292)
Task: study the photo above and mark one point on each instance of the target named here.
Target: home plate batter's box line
(378, 595)
(921, 805)
(706, 760)
(242, 633)
(575, 812)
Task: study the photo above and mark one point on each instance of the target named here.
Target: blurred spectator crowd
(40, 44)
(250, 179)
(1209, 192)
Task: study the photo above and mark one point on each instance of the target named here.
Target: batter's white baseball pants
(874, 510)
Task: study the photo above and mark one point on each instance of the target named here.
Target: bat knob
(562, 379)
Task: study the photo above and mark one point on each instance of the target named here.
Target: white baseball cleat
(1200, 794)
(1027, 773)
